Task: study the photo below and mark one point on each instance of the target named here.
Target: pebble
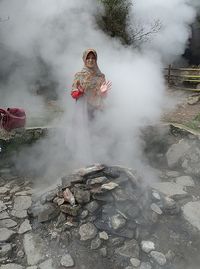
(147, 246)
(156, 209)
(67, 261)
(158, 257)
(103, 235)
(135, 262)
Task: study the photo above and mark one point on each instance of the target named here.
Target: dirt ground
(183, 112)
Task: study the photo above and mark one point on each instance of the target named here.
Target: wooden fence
(184, 78)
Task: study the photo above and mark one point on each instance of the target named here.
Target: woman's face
(90, 61)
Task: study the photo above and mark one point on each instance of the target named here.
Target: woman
(90, 84)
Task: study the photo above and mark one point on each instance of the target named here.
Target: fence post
(169, 73)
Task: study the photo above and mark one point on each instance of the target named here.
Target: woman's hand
(78, 92)
(105, 87)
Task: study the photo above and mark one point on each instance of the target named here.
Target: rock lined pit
(105, 210)
(106, 217)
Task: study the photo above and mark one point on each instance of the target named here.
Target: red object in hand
(12, 118)
(76, 94)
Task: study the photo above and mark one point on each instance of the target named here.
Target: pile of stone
(104, 203)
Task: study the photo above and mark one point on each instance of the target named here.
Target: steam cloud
(45, 39)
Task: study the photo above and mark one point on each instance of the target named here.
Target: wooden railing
(186, 78)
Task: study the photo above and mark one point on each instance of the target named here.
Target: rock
(172, 174)
(185, 181)
(147, 246)
(156, 196)
(191, 212)
(2, 206)
(67, 261)
(21, 204)
(112, 171)
(158, 257)
(105, 197)
(109, 186)
(4, 215)
(20, 254)
(4, 190)
(92, 206)
(95, 243)
(48, 196)
(33, 247)
(68, 197)
(87, 231)
(15, 189)
(61, 219)
(120, 195)
(176, 152)
(156, 209)
(192, 100)
(84, 214)
(117, 221)
(5, 250)
(46, 264)
(11, 266)
(135, 262)
(145, 265)
(92, 170)
(71, 179)
(6, 199)
(24, 193)
(97, 180)
(58, 201)
(170, 255)
(6, 234)
(168, 203)
(25, 227)
(168, 188)
(70, 210)
(169, 206)
(8, 223)
(129, 210)
(116, 241)
(44, 212)
(103, 252)
(128, 174)
(103, 235)
(130, 249)
(82, 196)
(32, 267)
(103, 224)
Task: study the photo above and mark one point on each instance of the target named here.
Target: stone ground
(183, 112)
(25, 244)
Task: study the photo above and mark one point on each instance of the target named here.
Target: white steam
(56, 33)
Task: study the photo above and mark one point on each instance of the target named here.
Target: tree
(115, 21)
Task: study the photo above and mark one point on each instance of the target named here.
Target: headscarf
(91, 80)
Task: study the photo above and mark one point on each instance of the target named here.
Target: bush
(113, 21)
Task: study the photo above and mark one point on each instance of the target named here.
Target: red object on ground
(76, 94)
(12, 118)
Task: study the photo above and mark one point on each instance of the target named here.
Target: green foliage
(194, 123)
(115, 21)
(115, 18)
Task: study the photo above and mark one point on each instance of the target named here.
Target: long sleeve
(76, 93)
